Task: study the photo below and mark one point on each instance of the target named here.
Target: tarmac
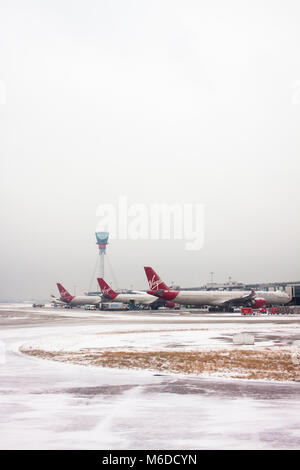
(51, 405)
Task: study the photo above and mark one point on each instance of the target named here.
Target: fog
(189, 102)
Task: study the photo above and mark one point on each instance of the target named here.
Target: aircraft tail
(64, 294)
(155, 283)
(106, 289)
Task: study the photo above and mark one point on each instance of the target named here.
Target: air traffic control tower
(102, 241)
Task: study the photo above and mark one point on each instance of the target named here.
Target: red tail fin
(155, 283)
(64, 294)
(106, 289)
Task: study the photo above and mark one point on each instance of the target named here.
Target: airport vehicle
(136, 298)
(71, 300)
(114, 306)
(217, 300)
(90, 307)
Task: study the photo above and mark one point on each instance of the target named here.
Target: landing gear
(215, 309)
(221, 309)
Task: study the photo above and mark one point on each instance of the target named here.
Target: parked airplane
(219, 299)
(67, 299)
(136, 298)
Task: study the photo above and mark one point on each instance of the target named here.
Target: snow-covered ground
(52, 405)
(185, 337)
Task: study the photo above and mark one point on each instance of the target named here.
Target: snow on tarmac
(181, 336)
(188, 340)
(55, 405)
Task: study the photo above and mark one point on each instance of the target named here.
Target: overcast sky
(169, 101)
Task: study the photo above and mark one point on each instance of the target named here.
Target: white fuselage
(85, 300)
(136, 298)
(277, 297)
(219, 298)
(209, 297)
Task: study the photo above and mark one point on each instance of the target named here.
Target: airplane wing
(241, 300)
(57, 300)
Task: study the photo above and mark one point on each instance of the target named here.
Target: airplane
(136, 297)
(218, 300)
(67, 299)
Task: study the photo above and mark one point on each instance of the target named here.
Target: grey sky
(160, 101)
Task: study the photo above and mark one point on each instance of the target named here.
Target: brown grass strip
(249, 364)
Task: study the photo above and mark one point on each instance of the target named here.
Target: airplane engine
(259, 303)
(170, 304)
